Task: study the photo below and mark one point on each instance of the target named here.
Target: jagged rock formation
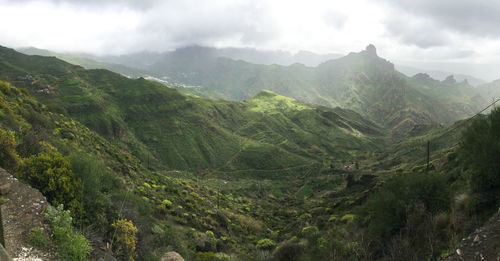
(449, 80)
(23, 210)
(482, 244)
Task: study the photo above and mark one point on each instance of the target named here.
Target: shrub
(480, 154)
(51, 174)
(385, 211)
(8, 155)
(289, 251)
(97, 182)
(71, 244)
(167, 203)
(125, 238)
(265, 244)
(206, 242)
(37, 238)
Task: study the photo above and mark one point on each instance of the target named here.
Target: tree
(480, 154)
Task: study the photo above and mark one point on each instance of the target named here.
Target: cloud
(418, 32)
(478, 18)
(131, 4)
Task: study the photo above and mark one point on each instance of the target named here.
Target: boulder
(171, 256)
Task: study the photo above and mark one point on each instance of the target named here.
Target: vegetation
(480, 155)
(272, 178)
(51, 174)
(71, 244)
(125, 238)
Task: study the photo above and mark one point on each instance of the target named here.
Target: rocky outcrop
(482, 244)
(449, 80)
(23, 210)
(171, 256)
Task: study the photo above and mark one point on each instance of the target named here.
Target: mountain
(440, 75)
(271, 177)
(250, 55)
(490, 91)
(160, 125)
(360, 81)
(86, 62)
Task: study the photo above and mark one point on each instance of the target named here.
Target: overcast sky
(457, 35)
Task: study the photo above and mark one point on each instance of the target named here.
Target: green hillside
(268, 178)
(360, 81)
(159, 125)
(85, 62)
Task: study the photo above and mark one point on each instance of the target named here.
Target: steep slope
(482, 244)
(87, 63)
(360, 81)
(490, 91)
(439, 75)
(169, 211)
(167, 129)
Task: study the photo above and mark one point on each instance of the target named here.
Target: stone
(5, 189)
(171, 256)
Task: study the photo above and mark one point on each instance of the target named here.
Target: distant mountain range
(160, 125)
(362, 81)
(440, 75)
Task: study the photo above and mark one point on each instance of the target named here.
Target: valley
(262, 162)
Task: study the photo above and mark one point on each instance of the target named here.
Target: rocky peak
(449, 80)
(371, 50)
(424, 78)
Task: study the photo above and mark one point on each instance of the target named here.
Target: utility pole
(218, 198)
(428, 153)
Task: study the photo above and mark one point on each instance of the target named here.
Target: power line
(467, 120)
(458, 125)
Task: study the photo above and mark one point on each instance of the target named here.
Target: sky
(461, 36)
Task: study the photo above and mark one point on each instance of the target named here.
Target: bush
(480, 154)
(37, 238)
(8, 155)
(71, 244)
(97, 182)
(51, 174)
(385, 211)
(265, 244)
(288, 251)
(125, 238)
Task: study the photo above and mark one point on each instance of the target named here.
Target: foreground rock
(171, 256)
(23, 210)
(483, 244)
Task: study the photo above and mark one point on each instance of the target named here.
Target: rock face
(483, 244)
(171, 256)
(23, 210)
(371, 51)
(449, 80)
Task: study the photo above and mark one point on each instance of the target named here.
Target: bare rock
(5, 189)
(171, 256)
